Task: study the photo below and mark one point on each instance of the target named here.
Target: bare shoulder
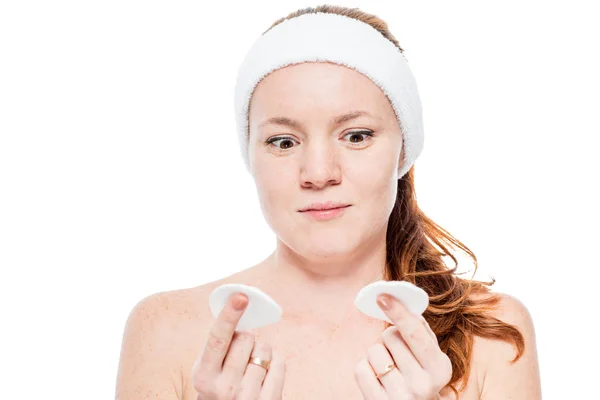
(146, 363)
(163, 335)
(501, 375)
(187, 311)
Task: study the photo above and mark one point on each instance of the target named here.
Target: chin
(327, 246)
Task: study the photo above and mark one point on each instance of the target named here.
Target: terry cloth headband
(322, 37)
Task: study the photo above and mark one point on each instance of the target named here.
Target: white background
(120, 174)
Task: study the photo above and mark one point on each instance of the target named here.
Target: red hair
(415, 248)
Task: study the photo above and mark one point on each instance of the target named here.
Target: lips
(330, 205)
(325, 211)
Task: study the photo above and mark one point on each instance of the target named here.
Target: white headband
(340, 40)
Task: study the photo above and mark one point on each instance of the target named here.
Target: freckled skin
(323, 164)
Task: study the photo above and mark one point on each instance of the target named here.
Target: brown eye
(358, 136)
(284, 142)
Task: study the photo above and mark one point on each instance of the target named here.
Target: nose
(320, 166)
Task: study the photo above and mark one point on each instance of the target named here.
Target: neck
(316, 285)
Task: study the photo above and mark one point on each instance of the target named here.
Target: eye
(284, 142)
(359, 136)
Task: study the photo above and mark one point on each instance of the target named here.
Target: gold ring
(260, 362)
(387, 370)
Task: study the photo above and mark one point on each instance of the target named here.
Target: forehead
(321, 87)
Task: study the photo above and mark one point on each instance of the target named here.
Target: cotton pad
(414, 298)
(261, 310)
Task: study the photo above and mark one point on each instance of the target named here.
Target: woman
(320, 135)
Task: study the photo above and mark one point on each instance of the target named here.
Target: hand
(422, 369)
(222, 370)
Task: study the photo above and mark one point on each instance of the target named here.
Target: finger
(442, 372)
(273, 384)
(221, 334)
(255, 374)
(428, 327)
(237, 358)
(401, 353)
(368, 384)
(414, 333)
(380, 359)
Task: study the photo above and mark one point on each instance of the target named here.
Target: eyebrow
(340, 119)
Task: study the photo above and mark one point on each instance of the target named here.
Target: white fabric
(326, 37)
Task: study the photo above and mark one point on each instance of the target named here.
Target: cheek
(376, 181)
(376, 190)
(276, 194)
(379, 196)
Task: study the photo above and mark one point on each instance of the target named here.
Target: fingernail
(239, 302)
(384, 301)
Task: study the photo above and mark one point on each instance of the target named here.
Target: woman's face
(312, 159)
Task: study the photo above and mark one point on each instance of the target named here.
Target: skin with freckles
(354, 162)
(318, 132)
(325, 133)
(322, 132)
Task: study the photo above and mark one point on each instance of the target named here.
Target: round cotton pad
(261, 310)
(414, 298)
